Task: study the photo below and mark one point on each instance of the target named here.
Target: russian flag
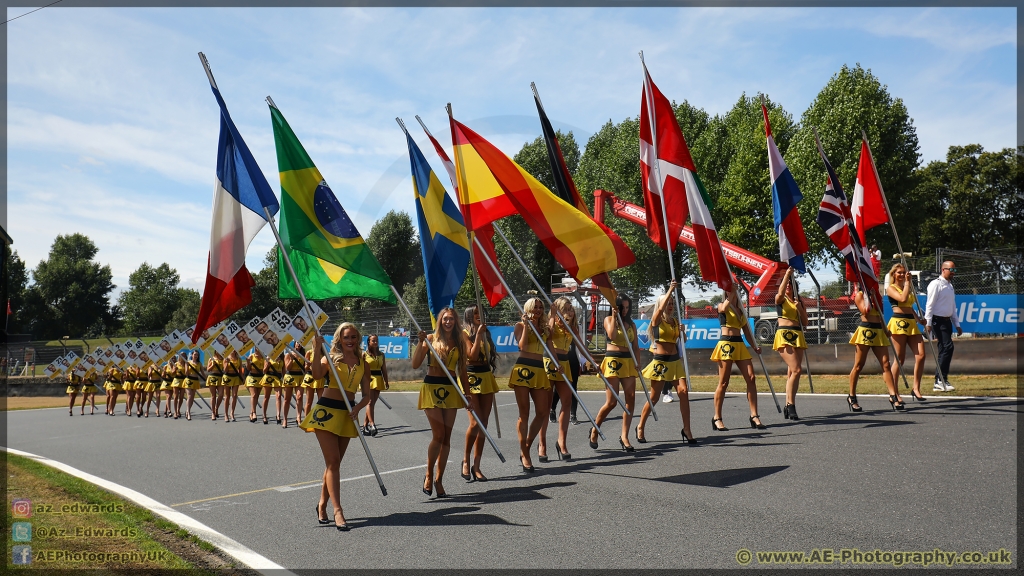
(239, 198)
(785, 196)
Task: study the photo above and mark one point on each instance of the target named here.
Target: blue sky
(112, 128)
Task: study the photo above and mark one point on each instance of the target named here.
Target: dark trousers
(942, 329)
(574, 377)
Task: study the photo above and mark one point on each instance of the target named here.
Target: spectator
(876, 260)
(940, 313)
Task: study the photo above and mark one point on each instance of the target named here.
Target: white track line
(232, 548)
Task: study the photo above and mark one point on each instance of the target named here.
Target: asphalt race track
(940, 475)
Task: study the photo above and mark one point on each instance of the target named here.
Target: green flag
(330, 257)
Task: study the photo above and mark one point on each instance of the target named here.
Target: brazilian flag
(330, 257)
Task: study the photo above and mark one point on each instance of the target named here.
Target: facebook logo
(21, 531)
(21, 555)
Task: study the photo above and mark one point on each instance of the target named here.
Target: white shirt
(941, 301)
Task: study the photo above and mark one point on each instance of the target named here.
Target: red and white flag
(868, 207)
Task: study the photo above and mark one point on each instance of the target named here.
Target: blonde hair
(443, 342)
(666, 317)
(564, 306)
(892, 271)
(536, 304)
(336, 351)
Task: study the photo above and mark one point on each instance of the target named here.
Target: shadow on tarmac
(723, 478)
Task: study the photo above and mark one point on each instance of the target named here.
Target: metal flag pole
(580, 345)
(452, 379)
(476, 287)
(903, 257)
(326, 350)
(807, 351)
(857, 255)
(764, 369)
(681, 341)
(552, 355)
(204, 401)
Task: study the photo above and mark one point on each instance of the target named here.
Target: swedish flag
(443, 238)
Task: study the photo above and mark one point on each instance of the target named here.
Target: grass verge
(76, 525)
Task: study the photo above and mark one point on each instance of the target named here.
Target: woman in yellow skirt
(529, 379)
(112, 385)
(870, 335)
(482, 358)
(439, 400)
(310, 384)
(254, 365)
(230, 382)
(666, 369)
(89, 392)
(294, 374)
(789, 338)
(618, 367)
(214, 379)
(194, 376)
(377, 365)
(731, 349)
(273, 370)
(166, 376)
(152, 385)
(178, 368)
(903, 325)
(329, 419)
(561, 341)
(74, 383)
(128, 379)
(141, 379)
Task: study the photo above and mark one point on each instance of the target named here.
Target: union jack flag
(836, 220)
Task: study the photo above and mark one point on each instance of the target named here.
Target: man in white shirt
(940, 313)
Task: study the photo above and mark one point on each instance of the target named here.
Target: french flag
(239, 199)
(785, 196)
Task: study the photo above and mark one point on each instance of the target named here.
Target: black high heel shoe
(525, 467)
(918, 398)
(561, 451)
(624, 447)
(757, 425)
(789, 411)
(428, 491)
(854, 405)
(716, 428)
(640, 438)
(896, 404)
(593, 443)
(343, 527)
(689, 439)
(319, 519)
(465, 475)
(543, 459)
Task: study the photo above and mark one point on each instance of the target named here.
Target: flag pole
(479, 305)
(807, 355)
(326, 350)
(743, 316)
(903, 258)
(543, 342)
(857, 255)
(580, 345)
(681, 340)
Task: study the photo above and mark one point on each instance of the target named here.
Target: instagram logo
(21, 508)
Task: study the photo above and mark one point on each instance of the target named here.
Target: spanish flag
(577, 242)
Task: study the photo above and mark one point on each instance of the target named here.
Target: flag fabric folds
(785, 196)
(673, 163)
(314, 224)
(868, 207)
(239, 198)
(576, 242)
(835, 219)
(481, 198)
(443, 238)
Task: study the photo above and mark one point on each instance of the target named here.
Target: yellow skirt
(270, 381)
(231, 380)
(869, 336)
(903, 326)
(438, 392)
(254, 381)
(616, 367)
(291, 380)
(191, 383)
(549, 368)
(482, 381)
(71, 390)
(89, 389)
(309, 382)
(140, 385)
(665, 368)
(111, 386)
(213, 380)
(165, 384)
(149, 387)
(176, 383)
(730, 350)
(529, 373)
(331, 416)
(787, 336)
(377, 380)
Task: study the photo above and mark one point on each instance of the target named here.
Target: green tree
(187, 310)
(394, 242)
(854, 100)
(415, 296)
(17, 286)
(151, 299)
(69, 296)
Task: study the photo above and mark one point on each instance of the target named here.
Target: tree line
(969, 201)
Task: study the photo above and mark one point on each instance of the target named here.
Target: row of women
(289, 376)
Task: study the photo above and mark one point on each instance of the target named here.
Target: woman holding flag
(214, 379)
(789, 338)
(273, 369)
(529, 379)
(561, 341)
(231, 380)
(618, 367)
(112, 385)
(378, 380)
(193, 380)
(74, 383)
(903, 324)
(870, 335)
(254, 365)
(294, 376)
(329, 419)
(483, 358)
(89, 392)
(178, 366)
(730, 349)
(166, 376)
(666, 369)
(438, 400)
